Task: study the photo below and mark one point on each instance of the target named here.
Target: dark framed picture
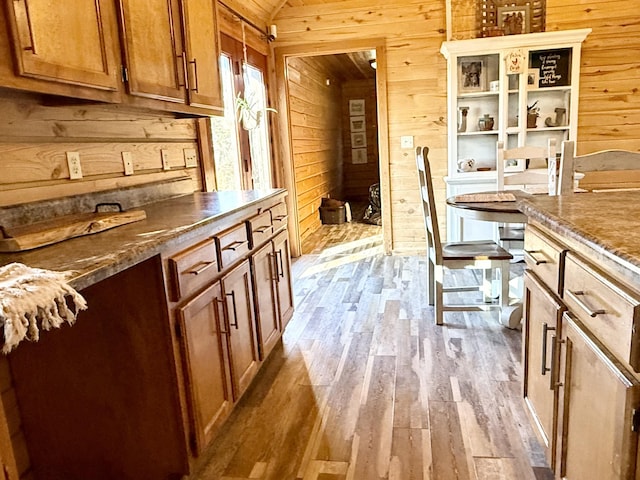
(514, 20)
(554, 66)
(472, 75)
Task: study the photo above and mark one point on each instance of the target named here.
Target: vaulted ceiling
(346, 66)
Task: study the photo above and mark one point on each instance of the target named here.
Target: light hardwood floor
(364, 386)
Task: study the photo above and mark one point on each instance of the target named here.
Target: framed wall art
(356, 107)
(510, 17)
(358, 155)
(358, 140)
(472, 75)
(357, 123)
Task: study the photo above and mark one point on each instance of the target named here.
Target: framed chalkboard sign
(554, 67)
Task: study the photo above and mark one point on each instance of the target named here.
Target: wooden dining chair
(478, 255)
(535, 176)
(607, 163)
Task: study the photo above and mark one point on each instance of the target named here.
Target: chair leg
(430, 286)
(439, 294)
(510, 315)
(487, 285)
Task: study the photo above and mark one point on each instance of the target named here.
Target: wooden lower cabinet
(599, 402)
(205, 340)
(264, 284)
(238, 292)
(543, 312)
(283, 278)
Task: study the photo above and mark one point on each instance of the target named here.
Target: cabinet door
(598, 437)
(153, 48)
(68, 42)
(543, 312)
(265, 297)
(283, 271)
(202, 50)
(206, 358)
(237, 288)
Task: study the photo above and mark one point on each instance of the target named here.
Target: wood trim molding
(284, 141)
(205, 150)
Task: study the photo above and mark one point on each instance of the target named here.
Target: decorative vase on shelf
(462, 119)
(485, 123)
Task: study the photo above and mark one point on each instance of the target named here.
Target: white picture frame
(358, 140)
(358, 124)
(356, 106)
(515, 165)
(358, 155)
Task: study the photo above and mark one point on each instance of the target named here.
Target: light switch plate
(190, 157)
(127, 163)
(75, 169)
(406, 141)
(165, 160)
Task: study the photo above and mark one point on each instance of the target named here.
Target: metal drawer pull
(280, 217)
(195, 74)
(530, 254)
(234, 245)
(262, 229)
(235, 310)
(545, 330)
(281, 269)
(198, 271)
(574, 296)
(220, 301)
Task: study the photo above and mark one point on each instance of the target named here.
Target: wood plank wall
(359, 177)
(609, 110)
(416, 82)
(35, 137)
(315, 113)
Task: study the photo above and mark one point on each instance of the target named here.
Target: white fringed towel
(30, 297)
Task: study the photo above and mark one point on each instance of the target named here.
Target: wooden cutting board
(39, 234)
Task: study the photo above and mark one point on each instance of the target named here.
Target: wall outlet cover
(406, 141)
(190, 157)
(165, 160)
(127, 163)
(75, 169)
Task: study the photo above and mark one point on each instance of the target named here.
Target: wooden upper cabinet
(202, 51)
(69, 42)
(153, 49)
(171, 51)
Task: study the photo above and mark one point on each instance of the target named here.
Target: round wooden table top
(492, 211)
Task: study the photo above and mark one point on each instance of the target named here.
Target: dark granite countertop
(605, 223)
(98, 256)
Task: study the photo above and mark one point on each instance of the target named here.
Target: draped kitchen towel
(32, 296)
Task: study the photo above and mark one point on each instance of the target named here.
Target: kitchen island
(183, 309)
(581, 351)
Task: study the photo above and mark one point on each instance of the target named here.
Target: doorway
(334, 140)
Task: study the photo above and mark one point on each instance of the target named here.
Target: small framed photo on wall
(358, 155)
(356, 107)
(357, 123)
(358, 140)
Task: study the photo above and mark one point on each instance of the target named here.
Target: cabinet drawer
(279, 216)
(232, 245)
(192, 268)
(260, 228)
(608, 309)
(544, 257)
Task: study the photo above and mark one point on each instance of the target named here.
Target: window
(241, 138)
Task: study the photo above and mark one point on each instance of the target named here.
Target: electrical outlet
(75, 169)
(190, 157)
(406, 141)
(127, 163)
(165, 160)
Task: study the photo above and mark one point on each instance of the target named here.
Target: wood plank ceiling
(346, 67)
